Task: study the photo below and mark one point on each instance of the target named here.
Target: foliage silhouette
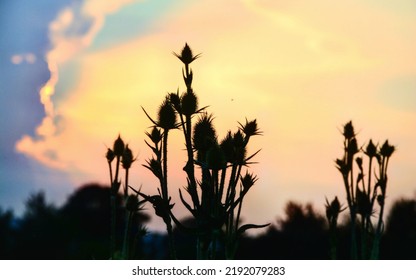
(399, 240)
(300, 234)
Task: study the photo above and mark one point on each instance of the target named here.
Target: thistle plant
(124, 159)
(365, 189)
(215, 204)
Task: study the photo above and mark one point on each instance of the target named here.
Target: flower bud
(333, 209)
(371, 149)
(109, 155)
(248, 181)
(189, 103)
(167, 116)
(204, 133)
(127, 158)
(349, 130)
(154, 166)
(118, 147)
(250, 128)
(186, 55)
(387, 150)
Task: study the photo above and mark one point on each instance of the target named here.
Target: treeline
(80, 229)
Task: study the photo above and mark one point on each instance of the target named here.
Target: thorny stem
(126, 184)
(165, 195)
(165, 166)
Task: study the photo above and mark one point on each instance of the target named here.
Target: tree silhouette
(39, 235)
(301, 234)
(400, 237)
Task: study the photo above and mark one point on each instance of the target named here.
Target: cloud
(70, 33)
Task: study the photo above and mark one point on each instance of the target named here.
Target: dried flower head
(386, 149)
(127, 158)
(204, 133)
(110, 155)
(371, 149)
(186, 55)
(189, 103)
(333, 209)
(155, 135)
(166, 115)
(348, 130)
(118, 147)
(155, 166)
(250, 128)
(248, 181)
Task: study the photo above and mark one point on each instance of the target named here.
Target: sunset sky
(75, 73)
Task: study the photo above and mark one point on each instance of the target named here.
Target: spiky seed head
(186, 55)
(371, 149)
(118, 147)
(155, 166)
(250, 128)
(110, 155)
(127, 158)
(386, 149)
(333, 209)
(248, 181)
(166, 115)
(349, 132)
(189, 103)
(204, 133)
(155, 135)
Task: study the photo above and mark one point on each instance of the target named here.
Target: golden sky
(301, 68)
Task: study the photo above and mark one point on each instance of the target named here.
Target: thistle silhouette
(215, 205)
(362, 193)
